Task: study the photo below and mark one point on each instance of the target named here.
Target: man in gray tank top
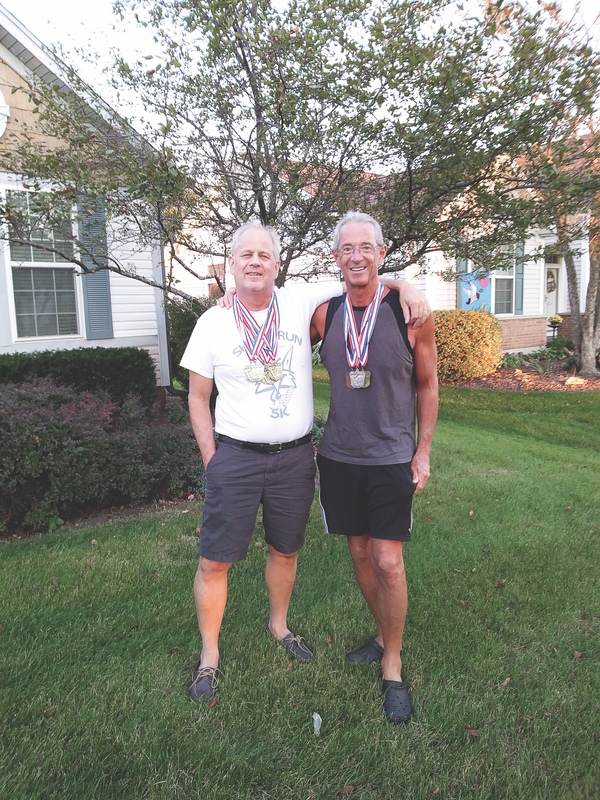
(383, 380)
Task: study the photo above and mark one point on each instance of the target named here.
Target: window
(44, 291)
(503, 303)
(504, 284)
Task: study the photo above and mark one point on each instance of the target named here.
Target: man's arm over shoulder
(425, 359)
(200, 416)
(317, 323)
(415, 307)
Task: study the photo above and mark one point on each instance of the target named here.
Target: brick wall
(521, 333)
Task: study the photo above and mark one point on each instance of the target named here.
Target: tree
(421, 111)
(567, 199)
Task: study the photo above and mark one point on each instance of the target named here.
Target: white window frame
(8, 185)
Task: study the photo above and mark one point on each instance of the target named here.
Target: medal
(358, 379)
(260, 342)
(254, 373)
(357, 343)
(264, 373)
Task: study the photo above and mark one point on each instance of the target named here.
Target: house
(45, 301)
(521, 297)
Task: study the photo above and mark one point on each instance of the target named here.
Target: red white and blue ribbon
(260, 341)
(357, 344)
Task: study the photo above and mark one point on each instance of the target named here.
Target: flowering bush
(469, 343)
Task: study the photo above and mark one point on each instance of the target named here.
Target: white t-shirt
(254, 412)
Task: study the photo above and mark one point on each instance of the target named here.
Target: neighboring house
(45, 303)
(522, 298)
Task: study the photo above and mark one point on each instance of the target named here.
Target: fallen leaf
(473, 732)
(329, 639)
(88, 561)
(190, 496)
(471, 513)
(290, 665)
(505, 683)
(186, 511)
(436, 790)
(212, 701)
(94, 541)
(377, 738)
(464, 603)
(500, 584)
(578, 654)
(347, 790)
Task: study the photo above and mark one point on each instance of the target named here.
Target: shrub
(120, 371)
(183, 315)
(469, 343)
(64, 451)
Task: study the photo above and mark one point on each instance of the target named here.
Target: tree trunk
(590, 341)
(572, 287)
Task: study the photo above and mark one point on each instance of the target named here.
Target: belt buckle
(278, 445)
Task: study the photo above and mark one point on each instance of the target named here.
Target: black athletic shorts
(358, 499)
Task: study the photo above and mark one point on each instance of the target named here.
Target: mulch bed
(528, 379)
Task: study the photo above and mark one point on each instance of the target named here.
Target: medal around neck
(357, 342)
(260, 343)
(358, 379)
(264, 373)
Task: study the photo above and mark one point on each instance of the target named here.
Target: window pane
(65, 303)
(67, 324)
(26, 325)
(24, 302)
(47, 324)
(22, 279)
(45, 303)
(43, 279)
(504, 293)
(63, 280)
(20, 252)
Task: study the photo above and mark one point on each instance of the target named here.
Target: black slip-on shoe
(396, 702)
(295, 645)
(205, 681)
(371, 652)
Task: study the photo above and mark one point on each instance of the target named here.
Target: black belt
(269, 447)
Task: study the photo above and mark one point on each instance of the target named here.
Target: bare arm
(200, 416)
(423, 343)
(317, 323)
(414, 304)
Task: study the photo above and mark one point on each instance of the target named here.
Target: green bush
(119, 371)
(183, 315)
(64, 452)
(469, 343)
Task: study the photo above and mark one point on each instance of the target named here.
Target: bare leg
(392, 602)
(360, 550)
(210, 595)
(280, 574)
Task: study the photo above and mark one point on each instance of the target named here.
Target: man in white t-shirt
(259, 355)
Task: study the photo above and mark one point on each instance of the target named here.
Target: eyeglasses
(363, 249)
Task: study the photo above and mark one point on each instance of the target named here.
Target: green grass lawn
(98, 637)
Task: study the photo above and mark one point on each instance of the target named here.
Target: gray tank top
(375, 425)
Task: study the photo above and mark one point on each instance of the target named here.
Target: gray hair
(247, 226)
(357, 216)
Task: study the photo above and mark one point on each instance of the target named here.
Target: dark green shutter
(519, 262)
(96, 285)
